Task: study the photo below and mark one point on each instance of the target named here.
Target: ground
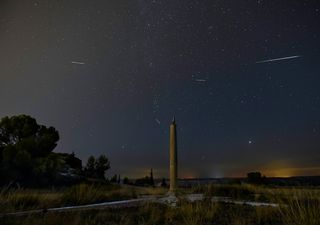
(298, 206)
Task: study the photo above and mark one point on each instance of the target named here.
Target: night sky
(110, 75)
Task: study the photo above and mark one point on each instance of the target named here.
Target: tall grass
(297, 207)
(82, 194)
(198, 213)
(303, 207)
(18, 199)
(86, 194)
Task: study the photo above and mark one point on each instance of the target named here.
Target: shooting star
(279, 59)
(78, 63)
(200, 80)
(158, 121)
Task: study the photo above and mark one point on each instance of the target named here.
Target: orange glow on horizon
(292, 171)
(275, 169)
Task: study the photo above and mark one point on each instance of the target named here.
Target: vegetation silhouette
(256, 178)
(26, 151)
(96, 168)
(27, 157)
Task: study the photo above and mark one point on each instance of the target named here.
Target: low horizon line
(207, 178)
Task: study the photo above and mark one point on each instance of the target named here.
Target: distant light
(250, 142)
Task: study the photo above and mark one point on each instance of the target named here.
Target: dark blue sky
(110, 75)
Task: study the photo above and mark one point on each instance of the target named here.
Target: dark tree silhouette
(114, 178)
(96, 168)
(23, 132)
(126, 180)
(145, 181)
(163, 183)
(72, 161)
(256, 178)
(151, 178)
(25, 147)
(102, 165)
(90, 167)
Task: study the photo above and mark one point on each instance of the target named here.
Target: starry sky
(110, 75)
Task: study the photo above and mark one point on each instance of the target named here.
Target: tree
(102, 165)
(151, 178)
(72, 160)
(48, 168)
(23, 132)
(255, 178)
(163, 183)
(24, 144)
(145, 181)
(114, 178)
(126, 180)
(96, 168)
(90, 167)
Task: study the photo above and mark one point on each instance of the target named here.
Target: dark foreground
(185, 213)
(296, 206)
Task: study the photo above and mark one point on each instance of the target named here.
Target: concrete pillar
(173, 156)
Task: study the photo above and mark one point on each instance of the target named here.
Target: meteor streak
(78, 63)
(158, 121)
(279, 59)
(200, 80)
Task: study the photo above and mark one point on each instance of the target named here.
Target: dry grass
(12, 200)
(86, 194)
(18, 199)
(303, 207)
(298, 207)
(148, 190)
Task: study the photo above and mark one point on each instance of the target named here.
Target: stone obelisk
(173, 156)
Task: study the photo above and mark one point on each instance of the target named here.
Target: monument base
(169, 199)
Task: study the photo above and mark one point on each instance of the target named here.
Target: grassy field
(13, 200)
(297, 206)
